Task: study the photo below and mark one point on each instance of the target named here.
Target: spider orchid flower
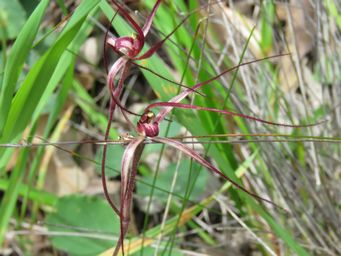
(148, 127)
(129, 48)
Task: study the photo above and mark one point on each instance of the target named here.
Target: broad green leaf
(93, 220)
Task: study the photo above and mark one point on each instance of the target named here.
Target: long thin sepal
(105, 48)
(224, 112)
(129, 163)
(185, 93)
(132, 22)
(191, 153)
(150, 18)
(159, 44)
(167, 79)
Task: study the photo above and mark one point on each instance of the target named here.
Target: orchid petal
(117, 92)
(115, 68)
(167, 79)
(132, 22)
(111, 41)
(158, 45)
(112, 38)
(127, 159)
(224, 112)
(130, 160)
(191, 153)
(126, 67)
(150, 18)
(185, 93)
(111, 76)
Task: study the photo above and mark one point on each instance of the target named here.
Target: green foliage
(16, 113)
(88, 224)
(113, 160)
(12, 18)
(29, 6)
(268, 17)
(35, 83)
(164, 180)
(95, 225)
(15, 62)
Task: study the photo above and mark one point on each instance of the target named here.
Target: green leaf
(36, 195)
(10, 197)
(32, 89)
(17, 56)
(91, 217)
(29, 6)
(164, 181)
(12, 18)
(267, 19)
(333, 10)
(66, 62)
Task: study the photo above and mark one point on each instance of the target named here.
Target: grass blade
(16, 59)
(29, 94)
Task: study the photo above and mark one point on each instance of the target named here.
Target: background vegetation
(53, 89)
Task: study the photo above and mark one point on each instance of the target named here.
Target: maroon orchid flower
(148, 128)
(129, 47)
